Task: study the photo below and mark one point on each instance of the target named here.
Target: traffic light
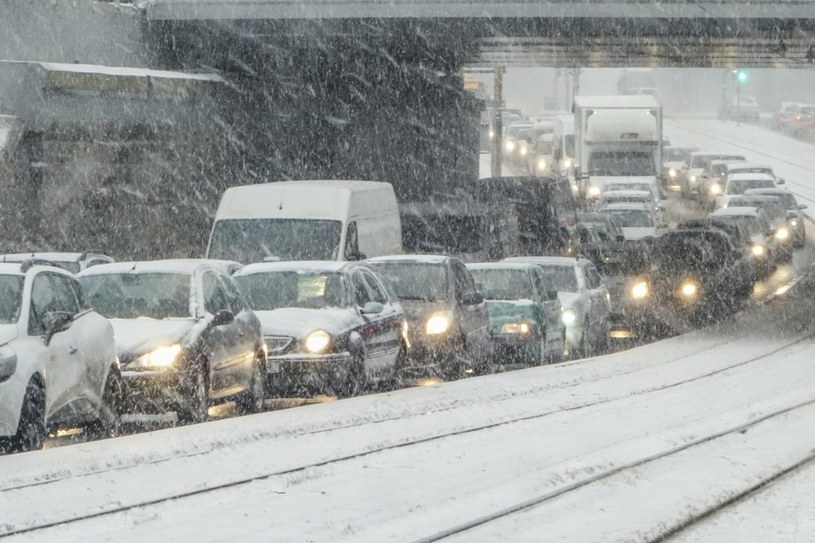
(741, 76)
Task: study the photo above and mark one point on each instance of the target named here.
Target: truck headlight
(510, 146)
(672, 173)
(516, 328)
(8, 362)
(639, 290)
(160, 358)
(318, 341)
(438, 323)
(594, 191)
(568, 317)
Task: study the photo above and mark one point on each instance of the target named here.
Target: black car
(448, 328)
(696, 273)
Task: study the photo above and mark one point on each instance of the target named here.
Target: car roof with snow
(503, 265)
(181, 266)
(418, 259)
(774, 191)
(625, 206)
(565, 261)
(300, 266)
(735, 212)
(628, 192)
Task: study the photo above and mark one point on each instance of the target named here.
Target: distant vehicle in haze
(784, 115)
(743, 108)
(672, 160)
(738, 183)
(689, 177)
(795, 217)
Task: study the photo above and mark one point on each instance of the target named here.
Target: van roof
(620, 101)
(317, 199)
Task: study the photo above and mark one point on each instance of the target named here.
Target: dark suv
(448, 325)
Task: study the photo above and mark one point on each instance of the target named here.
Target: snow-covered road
(631, 446)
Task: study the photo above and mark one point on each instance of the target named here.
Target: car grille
(277, 344)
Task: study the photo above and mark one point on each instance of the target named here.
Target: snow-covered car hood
(636, 233)
(141, 335)
(416, 311)
(570, 300)
(298, 322)
(8, 332)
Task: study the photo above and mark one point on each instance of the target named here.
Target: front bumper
(152, 389)
(294, 372)
(517, 349)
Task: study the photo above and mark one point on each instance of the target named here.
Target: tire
(398, 377)
(108, 423)
(195, 396)
(455, 367)
(251, 400)
(31, 431)
(356, 381)
(543, 356)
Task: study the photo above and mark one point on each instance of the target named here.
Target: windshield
(740, 186)
(503, 284)
(11, 296)
(275, 290)
(621, 163)
(634, 218)
(415, 280)
(564, 278)
(259, 240)
(611, 187)
(751, 223)
(131, 295)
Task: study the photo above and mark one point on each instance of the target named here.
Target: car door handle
(72, 349)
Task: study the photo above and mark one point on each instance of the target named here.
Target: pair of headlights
(687, 289)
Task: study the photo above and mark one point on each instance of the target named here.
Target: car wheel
(195, 396)
(398, 375)
(31, 432)
(251, 400)
(584, 350)
(356, 380)
(110, 412)
(543, 355)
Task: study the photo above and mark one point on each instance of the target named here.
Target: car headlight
(318, 341)
(639, 290)
(693, 179)
(758, 250)
(689, 289)
(715, 189)
(438, 323)
(594, 191)
(793, 222)
(510, 146)
(568, 317)
(541, 164)
(567, 163)
(8, 362)
(523, 151)
(517, 328)
(782, 233)
(160, 358)
(672, 172)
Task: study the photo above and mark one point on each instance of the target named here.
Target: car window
(362, 295)
(50, 292)
(214, 298)
(543, 285)
(593, 279)
(352, 242)
(462, 280)
(234, 299)
(378, 293)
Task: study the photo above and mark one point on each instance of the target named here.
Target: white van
(306, 220)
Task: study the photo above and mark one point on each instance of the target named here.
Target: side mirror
(620, 237)
(551, 295)
(780, 181)
(56, 322)
(472, 298)
(372, 308)
(224, 316)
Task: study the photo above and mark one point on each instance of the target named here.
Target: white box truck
(306, 220)
(616, 137)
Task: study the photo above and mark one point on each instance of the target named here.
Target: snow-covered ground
(629, 446)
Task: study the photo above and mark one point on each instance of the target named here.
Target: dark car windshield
(131, 295)
(751, 223)
(504, 284)
(415, 280)
(11, 296)
(275, 290)
(259, 240)
(564, 278)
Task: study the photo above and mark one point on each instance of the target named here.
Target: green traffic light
(741, 76)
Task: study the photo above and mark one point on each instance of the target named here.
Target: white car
(739, 183)
(73, 262)
(58, 365)
(584, 297)
(638, 220)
